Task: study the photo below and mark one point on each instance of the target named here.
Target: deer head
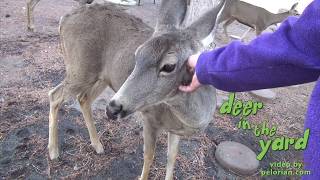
(161, 61)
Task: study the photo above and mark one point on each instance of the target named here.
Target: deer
(31, 4)
(250, 15)
(256, 18)
(103, 47)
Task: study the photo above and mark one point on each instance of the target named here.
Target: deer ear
(294, 6)
(171, 15)
(202, 27)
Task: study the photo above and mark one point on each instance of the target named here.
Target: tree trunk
(196, 9)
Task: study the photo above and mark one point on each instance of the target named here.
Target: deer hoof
(99, 148)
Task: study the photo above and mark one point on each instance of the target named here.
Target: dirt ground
(31, 64)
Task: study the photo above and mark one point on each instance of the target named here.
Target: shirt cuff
(202, 67)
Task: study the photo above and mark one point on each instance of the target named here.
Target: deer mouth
(113, 115)
(115, 111)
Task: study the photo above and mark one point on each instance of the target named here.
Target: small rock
(235, 37)
(237, 158)
(76, 168)
(7, 15)
(266, 94)
(220, 100)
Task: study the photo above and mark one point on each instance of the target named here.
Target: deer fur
(31, 4)
(253, 16)
(103, 46)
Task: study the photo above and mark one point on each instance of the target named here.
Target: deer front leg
(85, 101)
(85, 106)
(150, 138)
(30, 6)
(173, 146)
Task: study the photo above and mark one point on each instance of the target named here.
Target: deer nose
(114, 109)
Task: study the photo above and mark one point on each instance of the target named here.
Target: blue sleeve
(289, 56)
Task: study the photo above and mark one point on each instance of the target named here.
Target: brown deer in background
(31, 4)
(253, 16)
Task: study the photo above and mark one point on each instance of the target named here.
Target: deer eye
(168, 68)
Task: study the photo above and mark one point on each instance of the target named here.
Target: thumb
(191, 87)
(192, 60)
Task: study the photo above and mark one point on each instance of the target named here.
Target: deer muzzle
(115, 110)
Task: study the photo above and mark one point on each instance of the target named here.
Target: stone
(237, 158)
(265, 94)
(220, 100)
(235, 37)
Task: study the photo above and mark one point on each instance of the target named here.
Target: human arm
(289, 56)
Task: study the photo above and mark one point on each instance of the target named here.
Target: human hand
(195, 84)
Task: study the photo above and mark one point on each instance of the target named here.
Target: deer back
(98, 42)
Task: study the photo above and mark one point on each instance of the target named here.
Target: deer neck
(277, 18)
(194, 109)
